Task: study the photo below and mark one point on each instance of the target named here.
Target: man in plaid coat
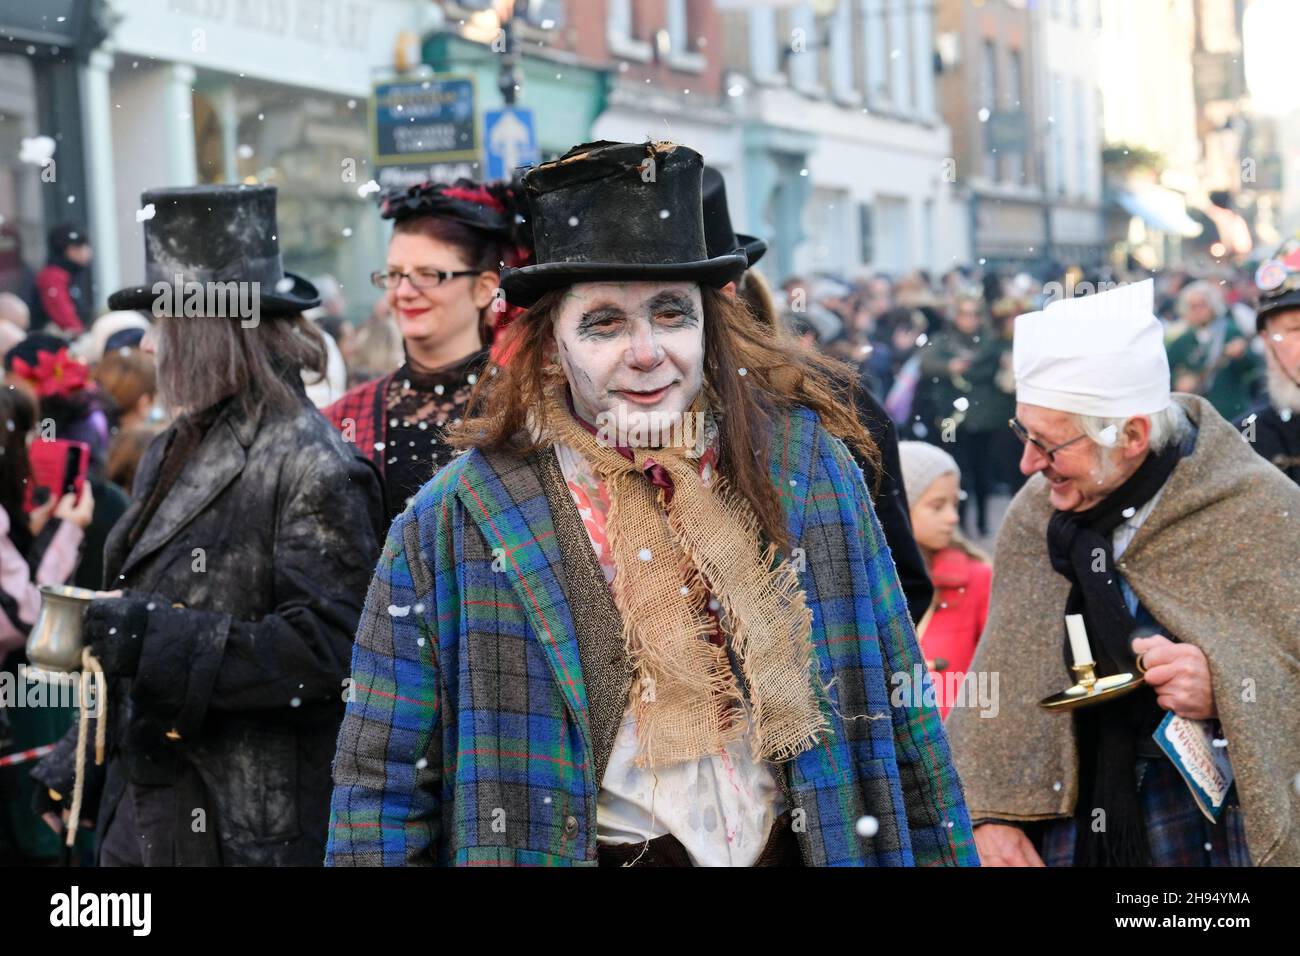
(522, 695)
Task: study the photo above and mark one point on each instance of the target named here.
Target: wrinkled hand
(115, 628)
(1180, 675)
(1001, 845)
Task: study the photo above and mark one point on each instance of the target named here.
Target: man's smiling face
(631, 348)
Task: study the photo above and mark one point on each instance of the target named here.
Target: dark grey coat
(268, 538)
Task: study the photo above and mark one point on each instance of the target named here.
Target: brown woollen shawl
(1217, 563)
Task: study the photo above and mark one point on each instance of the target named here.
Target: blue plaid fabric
(1177, 831)
(466, 740)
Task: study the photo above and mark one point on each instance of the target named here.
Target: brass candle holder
(1090, 689)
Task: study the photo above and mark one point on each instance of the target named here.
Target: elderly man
(1212, 357)
(1274, 428)
(647, 618)
(1147, 515)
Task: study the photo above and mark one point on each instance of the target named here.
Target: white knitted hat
(922, 464)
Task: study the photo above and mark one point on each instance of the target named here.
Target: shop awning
(1161, 209)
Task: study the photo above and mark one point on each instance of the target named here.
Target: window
(1015, 160)
(1080, 140)
(866, 249)
(1059, 124)
(802, 40)
(988, 103)
(621, 33)
(683, 52)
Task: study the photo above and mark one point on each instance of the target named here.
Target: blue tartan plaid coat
(488, 679)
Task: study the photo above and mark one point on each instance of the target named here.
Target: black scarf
(1107, 734)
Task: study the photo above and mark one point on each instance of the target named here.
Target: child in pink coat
(961, 574)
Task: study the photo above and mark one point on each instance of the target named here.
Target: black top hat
(216, 234)
(610, 212)
(718, 234)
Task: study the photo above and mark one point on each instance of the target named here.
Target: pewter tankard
(55, 641)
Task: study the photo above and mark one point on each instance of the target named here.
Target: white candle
(1078, 638)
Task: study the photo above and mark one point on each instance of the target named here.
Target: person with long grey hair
(237, 575)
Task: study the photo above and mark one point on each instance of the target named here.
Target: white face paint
(632, 348)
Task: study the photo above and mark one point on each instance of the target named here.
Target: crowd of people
(393, 594)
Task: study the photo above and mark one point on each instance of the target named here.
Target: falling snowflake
(347, 232)
(396, 611)
(744, 371)
(284, 286)
(573, 220)
(421, 763)
(244, 151)
(867, 827)
(1108, 435)
(1129, 512)
(663, 213)
(644, 554)
(296, 702)
(145, 214)
(961, 404)
(1057, 786)
(37, 150)
(367, 188)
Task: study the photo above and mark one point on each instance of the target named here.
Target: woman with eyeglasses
(440, 282)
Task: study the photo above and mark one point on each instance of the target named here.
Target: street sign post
(419, 126)
(510, 136)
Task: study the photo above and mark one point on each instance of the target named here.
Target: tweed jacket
(489, 678)
(1214, 563)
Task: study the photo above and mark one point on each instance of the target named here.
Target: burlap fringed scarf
(685, 696)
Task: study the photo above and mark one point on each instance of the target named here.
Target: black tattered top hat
(611, 212)
(223, 233)
(718, 234)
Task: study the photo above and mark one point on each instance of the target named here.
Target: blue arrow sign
(510, 136)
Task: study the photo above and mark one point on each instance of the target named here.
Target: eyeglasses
(420, 279)
(1048, 453)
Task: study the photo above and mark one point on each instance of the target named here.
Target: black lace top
(419, 405)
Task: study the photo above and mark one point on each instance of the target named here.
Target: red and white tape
(23, 756)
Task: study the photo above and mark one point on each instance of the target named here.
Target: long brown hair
(202, 360)
(779, 373)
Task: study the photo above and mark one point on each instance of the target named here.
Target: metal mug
(55, 642)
